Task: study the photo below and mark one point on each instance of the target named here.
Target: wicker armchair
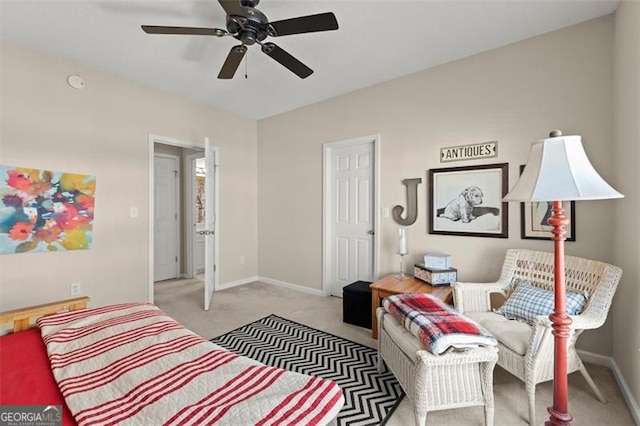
(527, 351)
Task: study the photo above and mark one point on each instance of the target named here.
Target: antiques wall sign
(469, 152)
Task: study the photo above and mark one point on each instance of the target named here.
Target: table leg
(375, 302)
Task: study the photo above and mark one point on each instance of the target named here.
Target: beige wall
(104, 131)
(515, 95)
(626, 311)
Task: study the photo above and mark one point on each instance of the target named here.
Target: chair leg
(420, 416)
(592, 384)
(380, 364)
(531, 391)
(489, 404)
(488, 416)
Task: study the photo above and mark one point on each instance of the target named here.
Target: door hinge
(176, 259)
(214, 268)
(176, 216)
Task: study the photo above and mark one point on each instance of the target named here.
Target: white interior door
(352, 218)
(165, 239)
(210, 222)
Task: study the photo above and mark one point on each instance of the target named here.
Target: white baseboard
(272, 281)
(236, 283)
(593, 358)
(291, 286)
(609, 362)
(626, 392)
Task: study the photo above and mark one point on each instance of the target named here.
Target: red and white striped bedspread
(133, 364)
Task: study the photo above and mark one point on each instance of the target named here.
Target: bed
(132, 364)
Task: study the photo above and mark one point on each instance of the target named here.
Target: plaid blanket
(437, 325)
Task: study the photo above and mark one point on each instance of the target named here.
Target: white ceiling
(377, 41)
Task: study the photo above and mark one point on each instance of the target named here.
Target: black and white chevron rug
(370, 397)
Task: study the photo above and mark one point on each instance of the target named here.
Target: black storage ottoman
(356, 304)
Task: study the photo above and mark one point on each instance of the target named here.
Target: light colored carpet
(232, 308)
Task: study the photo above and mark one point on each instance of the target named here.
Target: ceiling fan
(250, 26)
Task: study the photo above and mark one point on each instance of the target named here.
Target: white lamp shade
(557, 170)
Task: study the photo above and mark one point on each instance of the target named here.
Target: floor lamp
(558, 170)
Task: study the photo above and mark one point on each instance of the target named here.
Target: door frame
(153, 139)
(178, 220)
(327, 205)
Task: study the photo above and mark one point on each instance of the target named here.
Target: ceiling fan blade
(232, 62)
(156, 29)
(294, 65)
(304, 24)
(232, 7)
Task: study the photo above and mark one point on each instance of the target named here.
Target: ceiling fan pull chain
(246, 67)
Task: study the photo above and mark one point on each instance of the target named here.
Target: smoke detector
(75, 81)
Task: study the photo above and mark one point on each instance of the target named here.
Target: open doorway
(178, 230)
(195, 223)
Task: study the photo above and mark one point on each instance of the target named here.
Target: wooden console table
(391, 285)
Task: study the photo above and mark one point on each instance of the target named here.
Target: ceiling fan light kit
(250, 26)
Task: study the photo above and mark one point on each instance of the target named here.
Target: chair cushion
(512, 334)
(526, 302)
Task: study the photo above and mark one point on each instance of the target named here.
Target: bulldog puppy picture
(461, 207)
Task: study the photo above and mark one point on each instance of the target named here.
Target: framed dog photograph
(467, 201)
(534, 215)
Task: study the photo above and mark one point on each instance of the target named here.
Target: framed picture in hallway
(467, 201)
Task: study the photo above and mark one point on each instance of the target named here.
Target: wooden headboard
(21, 318)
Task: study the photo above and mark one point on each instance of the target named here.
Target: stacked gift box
(436, 270)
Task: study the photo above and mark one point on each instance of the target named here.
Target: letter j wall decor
(43, 210)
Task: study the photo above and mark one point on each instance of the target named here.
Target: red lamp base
(559, 413)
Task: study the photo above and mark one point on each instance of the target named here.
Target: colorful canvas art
(43, 210)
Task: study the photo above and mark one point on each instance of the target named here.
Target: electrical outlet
(76, 289)
(242, 260)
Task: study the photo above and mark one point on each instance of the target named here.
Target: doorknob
(206, 232)
(371, 232)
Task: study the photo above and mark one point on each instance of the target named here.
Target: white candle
(402, 241)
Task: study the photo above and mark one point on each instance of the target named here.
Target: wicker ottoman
(432, 382)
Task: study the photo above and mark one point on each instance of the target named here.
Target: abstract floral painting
(43, 210)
